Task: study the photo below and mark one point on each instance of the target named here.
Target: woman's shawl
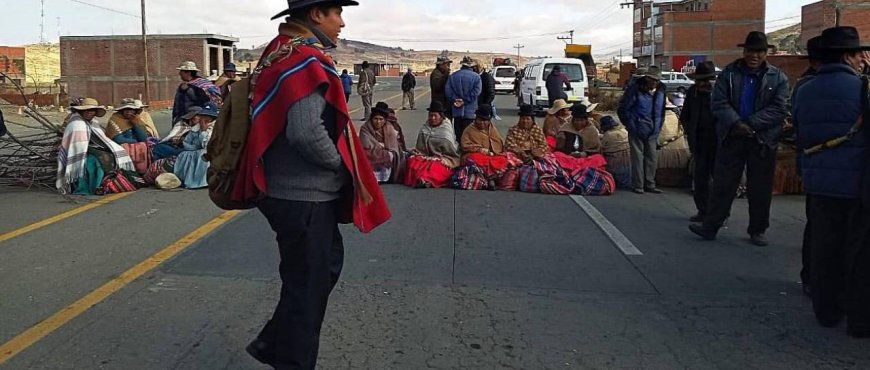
(73, 151)
(439, 142)
(474, 140)
(118, 124)
(521, 141)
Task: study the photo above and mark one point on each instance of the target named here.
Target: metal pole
(145, 56)
(838, 12)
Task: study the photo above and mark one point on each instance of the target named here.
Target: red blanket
(573, 165)
(281, 85)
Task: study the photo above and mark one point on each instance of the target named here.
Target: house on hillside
(12, 64)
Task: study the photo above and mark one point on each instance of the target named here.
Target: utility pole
(518, 47)
(147, 96)
(570, 37)
(42, 24)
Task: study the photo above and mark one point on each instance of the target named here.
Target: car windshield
(573, 71)
(505, 72)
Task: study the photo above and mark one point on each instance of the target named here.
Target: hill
(787, 39)
(42, 64)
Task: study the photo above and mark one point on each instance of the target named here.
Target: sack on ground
(508, 180)
(529, 179)
(469, 177)
(115, 182)
(594, 181)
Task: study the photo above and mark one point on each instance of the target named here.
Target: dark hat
(230, 67)
(208, 109)
(814, 49)
(842, 38)
(704, 71)
(653, 72)
(607, 123)
(527, 110)
(300, 4)
(579, 111)
(484, 111)
(436, 107)
(381, 109)
(443, 60)
(557, 68)
(365, 64)
(191, 112)
(756, 40)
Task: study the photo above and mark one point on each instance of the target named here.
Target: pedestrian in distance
(409, 83)
(830, 111)
(700, 127)
(300, 149)
(749, 106)
(438, 84)
(366, 88)
(194, 91)
(347, 84)
(557, 83)
(463, 89)
(642, 111)
(227, 79)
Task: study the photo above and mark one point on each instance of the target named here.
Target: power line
(106, 9)
(498, 38)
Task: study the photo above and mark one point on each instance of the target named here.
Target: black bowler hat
(436, 107)
(842, 38)
(299, 4)
(814, 49)
(704, 71)
(484, 111)
(579, 111)
(527, 110)
(756, 40)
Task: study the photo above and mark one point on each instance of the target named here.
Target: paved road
(457, 280)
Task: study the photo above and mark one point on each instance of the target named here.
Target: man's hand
(458, 103)
(741, 129)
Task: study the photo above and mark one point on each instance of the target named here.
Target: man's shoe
(758, 239)
(654, 191)
(808, 291)
(697, 218)
(703, 232)
(831, 321)
(637, 190)
(262, 352)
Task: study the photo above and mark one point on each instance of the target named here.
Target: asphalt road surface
(456, 280)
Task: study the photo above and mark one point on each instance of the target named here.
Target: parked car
(533, 90)
(504, 78)
(677, 81)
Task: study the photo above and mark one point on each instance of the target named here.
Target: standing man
(463, 89)
(226, 80)
(557, 84)
(487, 92)
(697, 119)
(409, 83)
(194, 91)
(347, 84)
(438, 83)
(830, 111)
(642, 111)
(749, 106)
(299, 151)
(366, 88)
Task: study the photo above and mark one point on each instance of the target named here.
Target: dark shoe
(637, 190)
(703, 232)
(831, 321)
(807, 290)
(758, 240)
(262, 352)
(697, 218)
(654, 191)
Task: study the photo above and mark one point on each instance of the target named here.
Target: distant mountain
(787, 39)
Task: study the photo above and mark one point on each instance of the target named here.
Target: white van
(533, 89)
(504, 78)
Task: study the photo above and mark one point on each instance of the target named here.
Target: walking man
(749, 105)
(463, 89)
(346, 84)
(697, 119)
(366, 88)
(829, 113)
(642, 111)
(409, 83)
(438, 83)
(299, 151)
(557, 84)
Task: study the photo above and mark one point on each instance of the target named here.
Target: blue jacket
(347, 83)
(465, 84)
(826, 107)
(642, 113)
(770, 108)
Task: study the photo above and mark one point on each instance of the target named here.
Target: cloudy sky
(482, 25)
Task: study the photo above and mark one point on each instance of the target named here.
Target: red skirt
(492, 164)
(427, 171)
(573, 165)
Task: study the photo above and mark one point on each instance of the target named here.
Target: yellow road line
(36, 333)
(63, 216)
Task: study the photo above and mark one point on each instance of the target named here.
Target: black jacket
(770, 102)
(697, 119)
(409, 82)
(487, 94)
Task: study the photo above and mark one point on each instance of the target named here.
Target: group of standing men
(734, 122)
(464, 90)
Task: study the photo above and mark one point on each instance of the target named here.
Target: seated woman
(616, 151)
(578, 144)
(385, 152)
(557, 117)
(190, 168)
(393, 120)
(86, 154)
(436, 154)
(132, 127)
(526, 139)
(170, 146)
(483, 145)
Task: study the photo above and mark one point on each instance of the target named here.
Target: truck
(584, 53)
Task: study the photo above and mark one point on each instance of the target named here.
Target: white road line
(616, 236)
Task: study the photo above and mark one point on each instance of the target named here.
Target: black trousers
(840, 260)
(312, 255)
(705, 163)
(459, 126)
(759, 161)
(347, 97)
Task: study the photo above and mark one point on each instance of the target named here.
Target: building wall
(12, 63)
(818, 16)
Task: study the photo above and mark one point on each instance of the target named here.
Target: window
(505, 72)
(573, 71)
(682, 78)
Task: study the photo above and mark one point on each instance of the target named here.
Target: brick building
(12, 63)
(686, 32)
(110, 68)
(821, 15)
